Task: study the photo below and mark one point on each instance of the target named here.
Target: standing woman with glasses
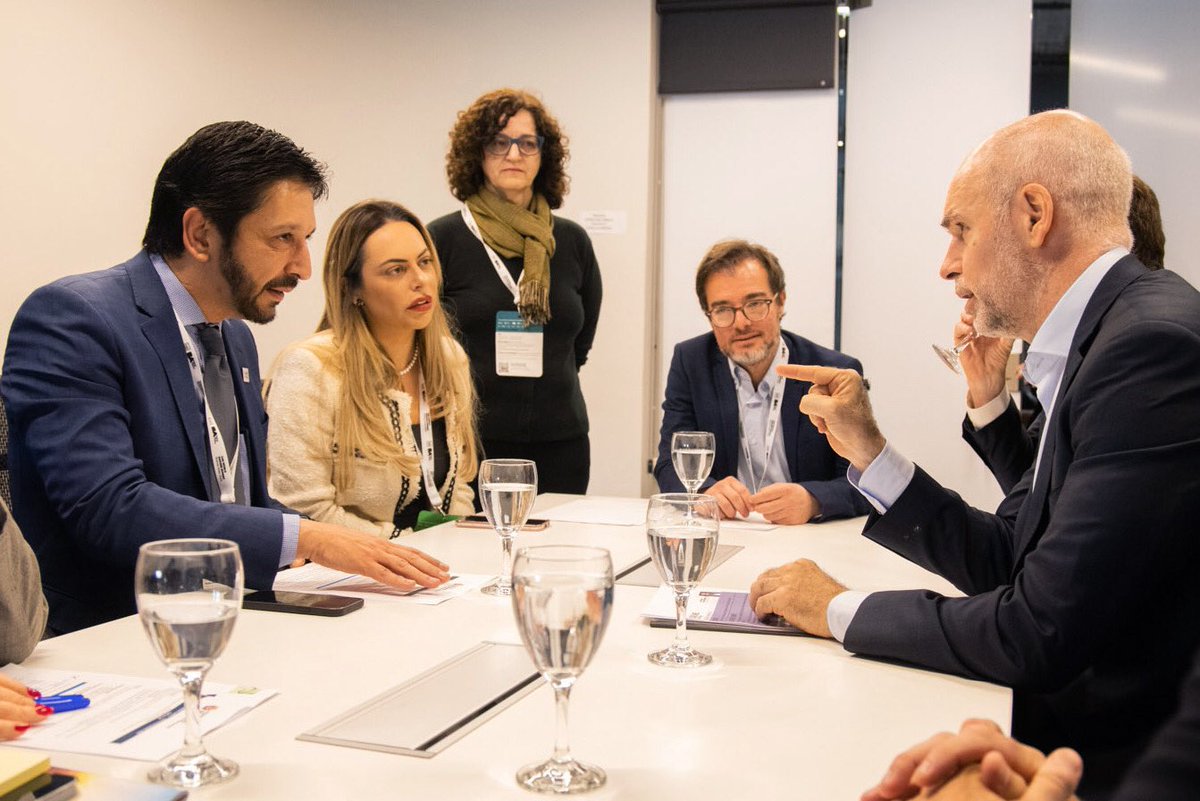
(522, 284)
(372, 418)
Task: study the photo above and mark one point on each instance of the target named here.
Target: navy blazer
(1084, 587)
(700, 396)
(107, 446)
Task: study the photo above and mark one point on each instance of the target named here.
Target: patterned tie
(218, 388)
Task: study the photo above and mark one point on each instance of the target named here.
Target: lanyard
(425, 446)
(222, 469)
(501, 270)
(772, 423)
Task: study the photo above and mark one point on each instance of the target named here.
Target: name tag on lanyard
(518, 346)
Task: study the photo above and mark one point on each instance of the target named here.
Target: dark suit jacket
(1084, 587)
(1005, 445)
(701, 397)
(1170, 768)
(107, 440)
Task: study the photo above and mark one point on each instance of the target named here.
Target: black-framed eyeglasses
(526, 145)
(755, 310)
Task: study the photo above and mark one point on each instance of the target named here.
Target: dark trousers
(563, 465)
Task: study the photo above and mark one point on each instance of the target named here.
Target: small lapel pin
(245, 375)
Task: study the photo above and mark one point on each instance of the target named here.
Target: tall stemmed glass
(508, 488)
(562, 598)
(692, 454)
(949, 356)
(681, 530)
(188, 594)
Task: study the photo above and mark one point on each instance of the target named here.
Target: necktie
(218, 389)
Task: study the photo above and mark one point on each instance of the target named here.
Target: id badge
(518, 347)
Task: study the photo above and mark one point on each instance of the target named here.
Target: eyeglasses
(526, 145)
(755, 310)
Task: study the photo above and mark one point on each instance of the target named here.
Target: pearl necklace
(411, 363)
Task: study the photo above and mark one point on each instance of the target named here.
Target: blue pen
(64, 703)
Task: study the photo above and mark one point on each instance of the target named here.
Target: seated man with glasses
(769, 458)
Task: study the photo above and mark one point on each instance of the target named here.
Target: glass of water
(508, 488)
(681, 530)
(562, 598)
(692, 454)
(188, 594)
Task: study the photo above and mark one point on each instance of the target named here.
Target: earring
(358, 302)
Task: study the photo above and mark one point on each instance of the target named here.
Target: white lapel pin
(245, 375)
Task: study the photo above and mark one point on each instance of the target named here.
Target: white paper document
(128, 717)
(315, 578)
(751, 522)
(602, 511)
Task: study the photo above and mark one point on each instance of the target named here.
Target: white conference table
(773, 717)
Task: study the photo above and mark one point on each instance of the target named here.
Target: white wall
(1133, 70)
(95, 95)
(928, 80)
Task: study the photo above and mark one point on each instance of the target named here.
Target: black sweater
(542, 409)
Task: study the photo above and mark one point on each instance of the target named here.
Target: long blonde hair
(360, 428)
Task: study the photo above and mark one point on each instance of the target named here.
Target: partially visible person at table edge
(522, 284)
(372, 417)
(22, 621)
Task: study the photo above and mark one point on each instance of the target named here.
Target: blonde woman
(372, 417)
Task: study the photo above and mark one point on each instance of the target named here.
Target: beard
(246, 295)
(1007, 300)
(751, 358)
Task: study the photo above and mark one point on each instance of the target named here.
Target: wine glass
(681, 530)
(188, 594)
(949, 356)
(692, 454)
(562, 598)
(508, 488)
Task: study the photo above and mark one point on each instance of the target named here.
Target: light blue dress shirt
(190, 315)
(753, 409)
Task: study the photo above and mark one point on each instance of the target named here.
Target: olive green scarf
(512, 231)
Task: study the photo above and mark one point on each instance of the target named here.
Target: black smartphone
(481, 521)
(302, 603)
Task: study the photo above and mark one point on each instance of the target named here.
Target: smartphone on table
(481, 521)
(303, 603)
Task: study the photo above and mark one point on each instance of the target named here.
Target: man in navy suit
(769, 457)
(1083, 589)
(106, 383)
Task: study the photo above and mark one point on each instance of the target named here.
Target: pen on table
(64, 703)
(129, 735)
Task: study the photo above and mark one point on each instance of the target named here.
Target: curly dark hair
(480, 123)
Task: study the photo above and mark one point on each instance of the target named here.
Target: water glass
(692, 455)
(188, 593)
(562, 599)
(681, 531)
(507, 489)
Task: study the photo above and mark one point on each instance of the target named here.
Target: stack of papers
(20, 767)
(315, 578)
(128, 717)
